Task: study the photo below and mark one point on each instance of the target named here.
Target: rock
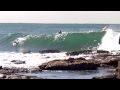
(1, 67)
(11, 73)
(69, 65)
(112, 76)
(71, 59)
(49, 51)
(82, 63)
(79, 52)
(18, 62)
(8, 71)
(27, 51)
(111, 62)
(73, 53)
(47, 57)
(102, 51)
(81, 58)
(35, 70)
(13, 76)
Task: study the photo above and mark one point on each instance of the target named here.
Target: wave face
(63, 42)
(35, 37)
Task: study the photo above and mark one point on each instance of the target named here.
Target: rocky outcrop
(14, 76)
(69, 65)
(27, 51)
(6, 70)
(12, 73)
(112, 76)
(1, 67)
(112, 61)
(49, 51)
(18, 62)
(82, 63)
(102, 51)
(79, 52)
(87, 52)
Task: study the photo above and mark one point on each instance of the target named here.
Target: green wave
(63, 42)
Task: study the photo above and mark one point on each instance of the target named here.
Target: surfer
(105, 28)
(60, 32)
(15, 43)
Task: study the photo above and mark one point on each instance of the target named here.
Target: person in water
(60, 32)
(105, 28)
(15, 43)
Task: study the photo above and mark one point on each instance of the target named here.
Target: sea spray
(110, 41)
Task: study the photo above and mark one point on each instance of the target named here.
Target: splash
(110, 41)
(20, 40)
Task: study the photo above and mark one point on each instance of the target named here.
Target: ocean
(38, 37)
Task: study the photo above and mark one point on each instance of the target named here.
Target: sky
(104, 17)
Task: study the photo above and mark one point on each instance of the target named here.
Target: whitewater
(17, 38)
(110, 42)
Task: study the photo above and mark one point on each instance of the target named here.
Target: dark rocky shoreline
(98, 59)
(12, 73)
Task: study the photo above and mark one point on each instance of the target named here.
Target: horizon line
(50, 23)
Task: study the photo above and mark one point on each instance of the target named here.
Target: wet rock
(81, 58)
(102, 51)
(79, 52)
(27, 51)
(73, 53)
(47, 57)
(111, 62)
(101, 60)
(71, 59)
(112, 76)
(11, 73)
(14, 76)
(49, 51)
(18, 62)
(69, 65)
(35, 70)
(1, 67)
(7, 71)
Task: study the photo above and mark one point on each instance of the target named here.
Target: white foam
(20, 40)
(57, 36)
(110, 41)
(33, 60)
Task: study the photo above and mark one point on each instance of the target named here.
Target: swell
(64, 42)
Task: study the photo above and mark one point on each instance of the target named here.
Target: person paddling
(60, 32)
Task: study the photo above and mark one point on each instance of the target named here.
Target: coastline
(80, 60)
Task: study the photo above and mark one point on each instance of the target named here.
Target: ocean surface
(37, 37)
(18, 37)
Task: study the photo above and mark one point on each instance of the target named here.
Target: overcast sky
(60, 17)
